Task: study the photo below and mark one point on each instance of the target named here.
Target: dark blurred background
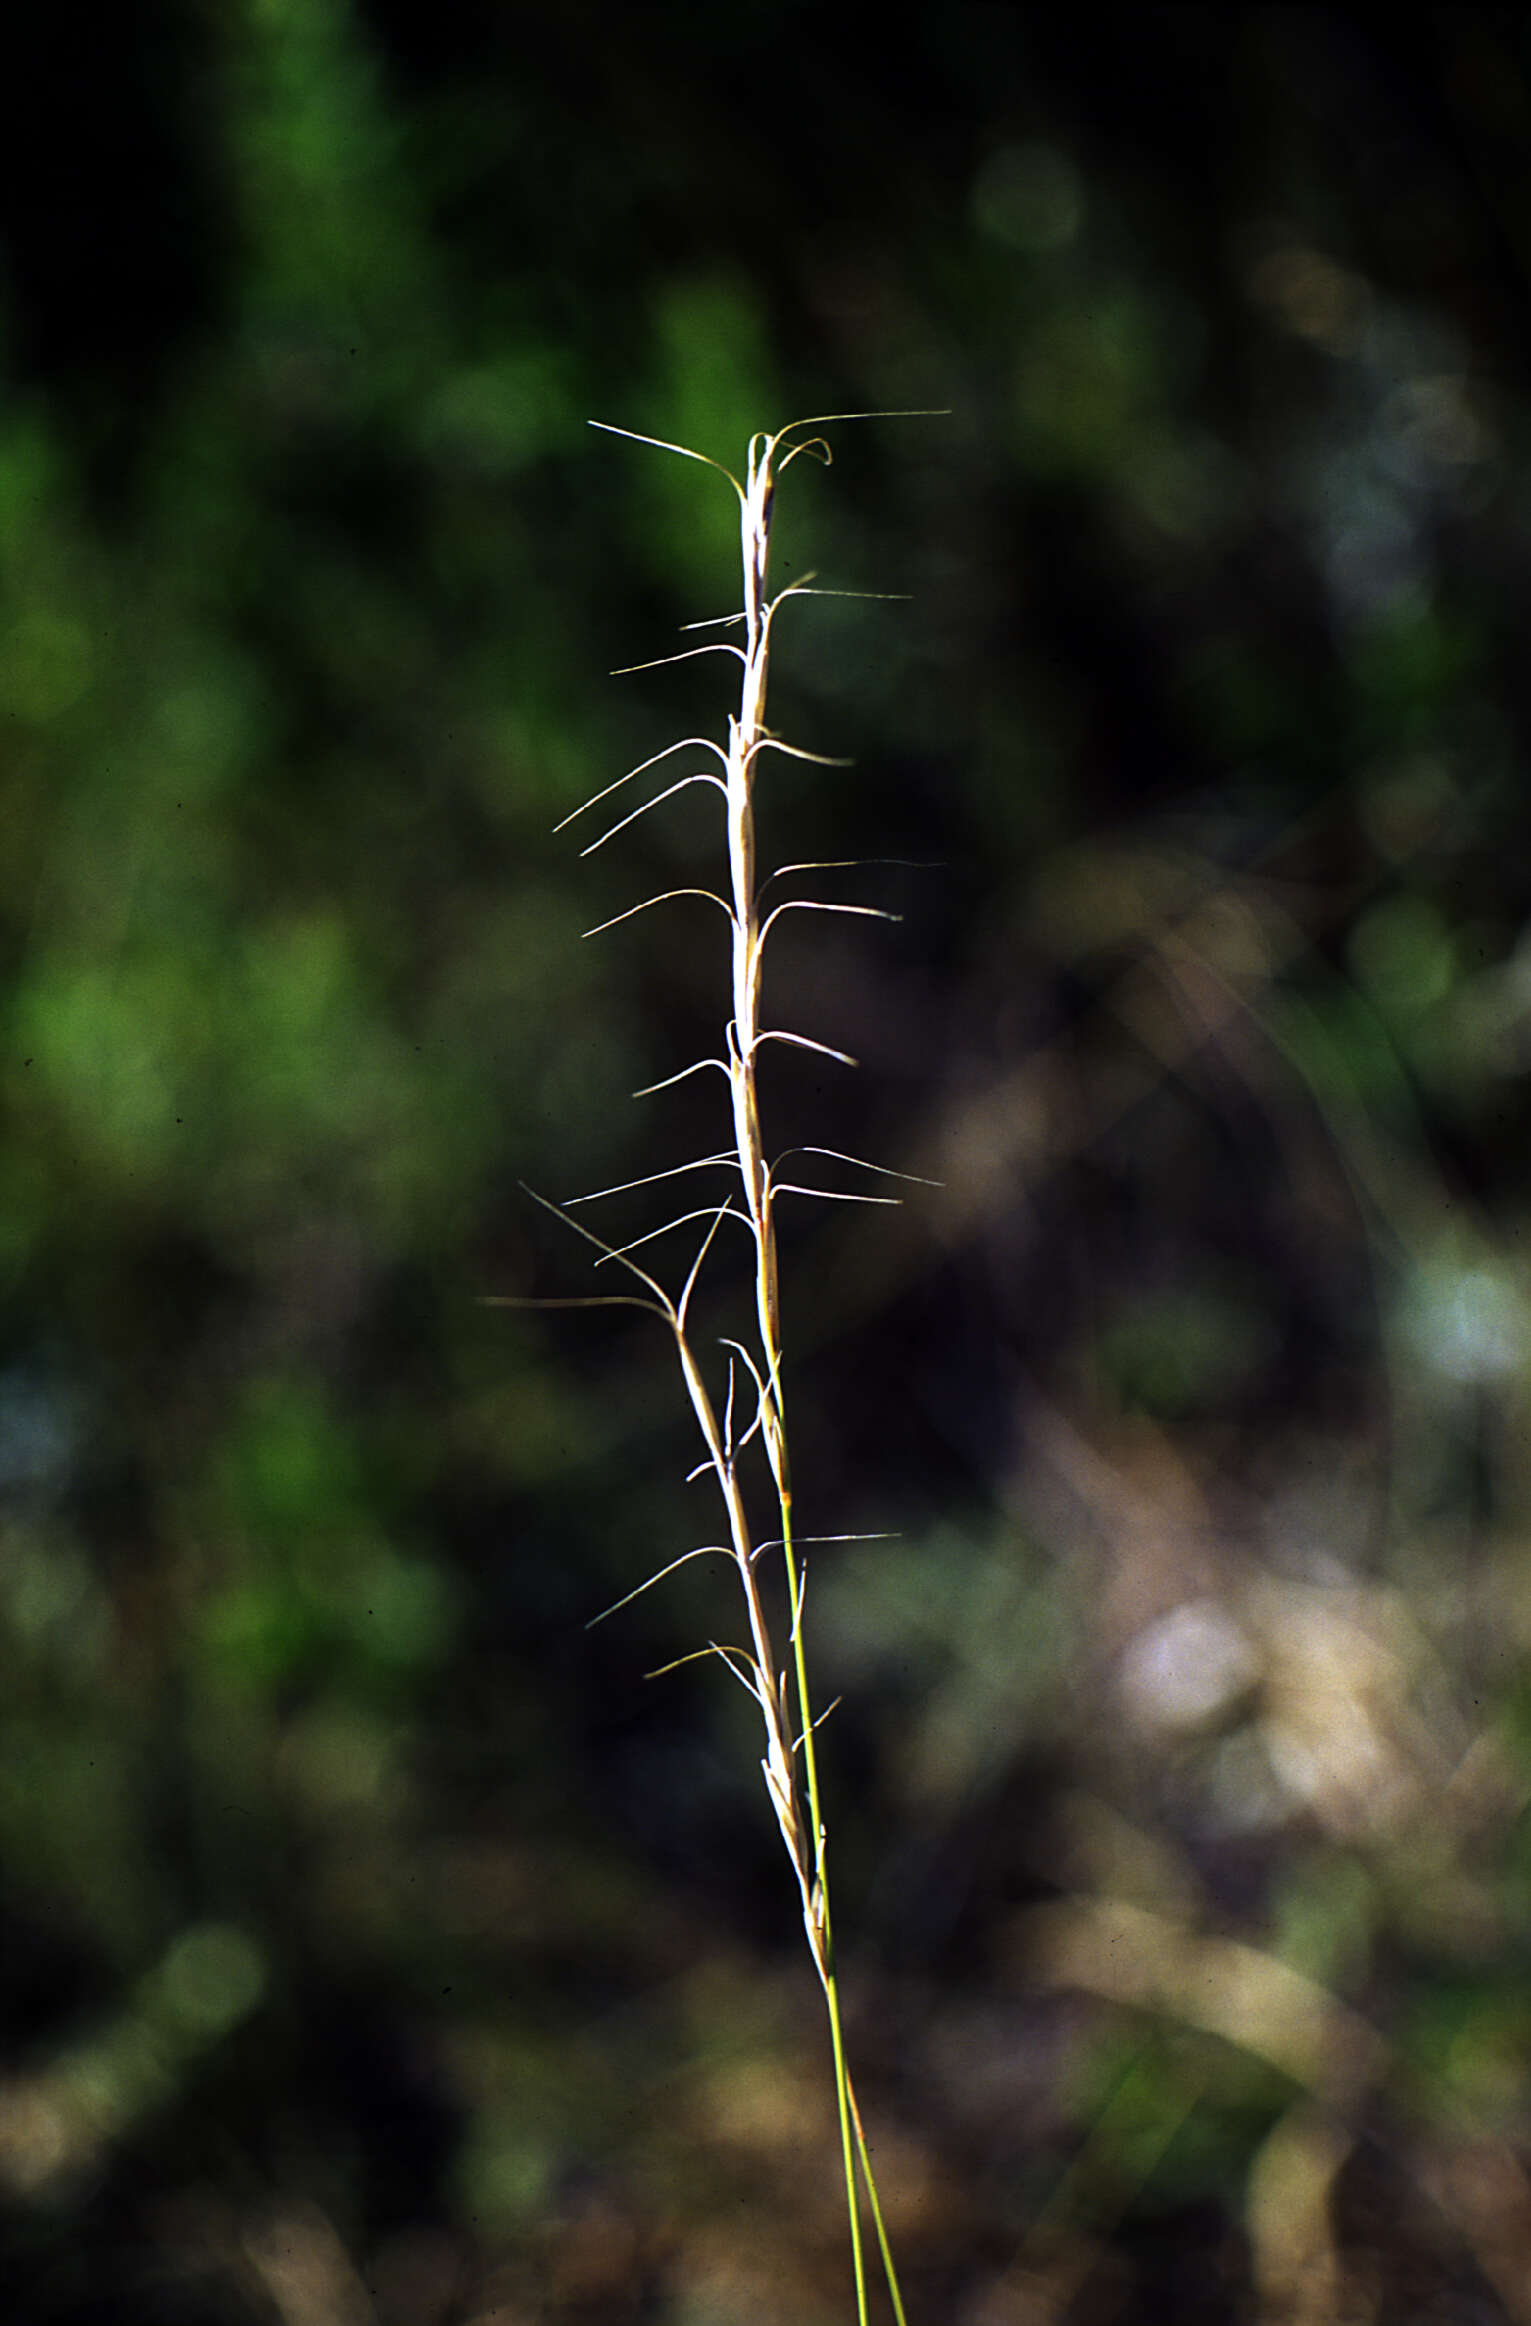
(379, 1947)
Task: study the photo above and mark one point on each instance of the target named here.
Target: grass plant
(742, 1418)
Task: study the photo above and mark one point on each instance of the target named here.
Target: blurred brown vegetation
(379, 1948)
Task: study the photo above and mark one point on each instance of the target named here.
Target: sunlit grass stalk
(790, 1761)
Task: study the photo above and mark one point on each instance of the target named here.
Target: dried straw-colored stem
(789, 1763)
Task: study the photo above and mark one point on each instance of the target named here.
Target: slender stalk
(790, 1762)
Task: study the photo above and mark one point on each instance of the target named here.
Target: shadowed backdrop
(377, 1946)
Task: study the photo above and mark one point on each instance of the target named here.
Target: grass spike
(781, 1692)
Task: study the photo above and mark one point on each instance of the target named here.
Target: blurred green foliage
(378, 1945)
